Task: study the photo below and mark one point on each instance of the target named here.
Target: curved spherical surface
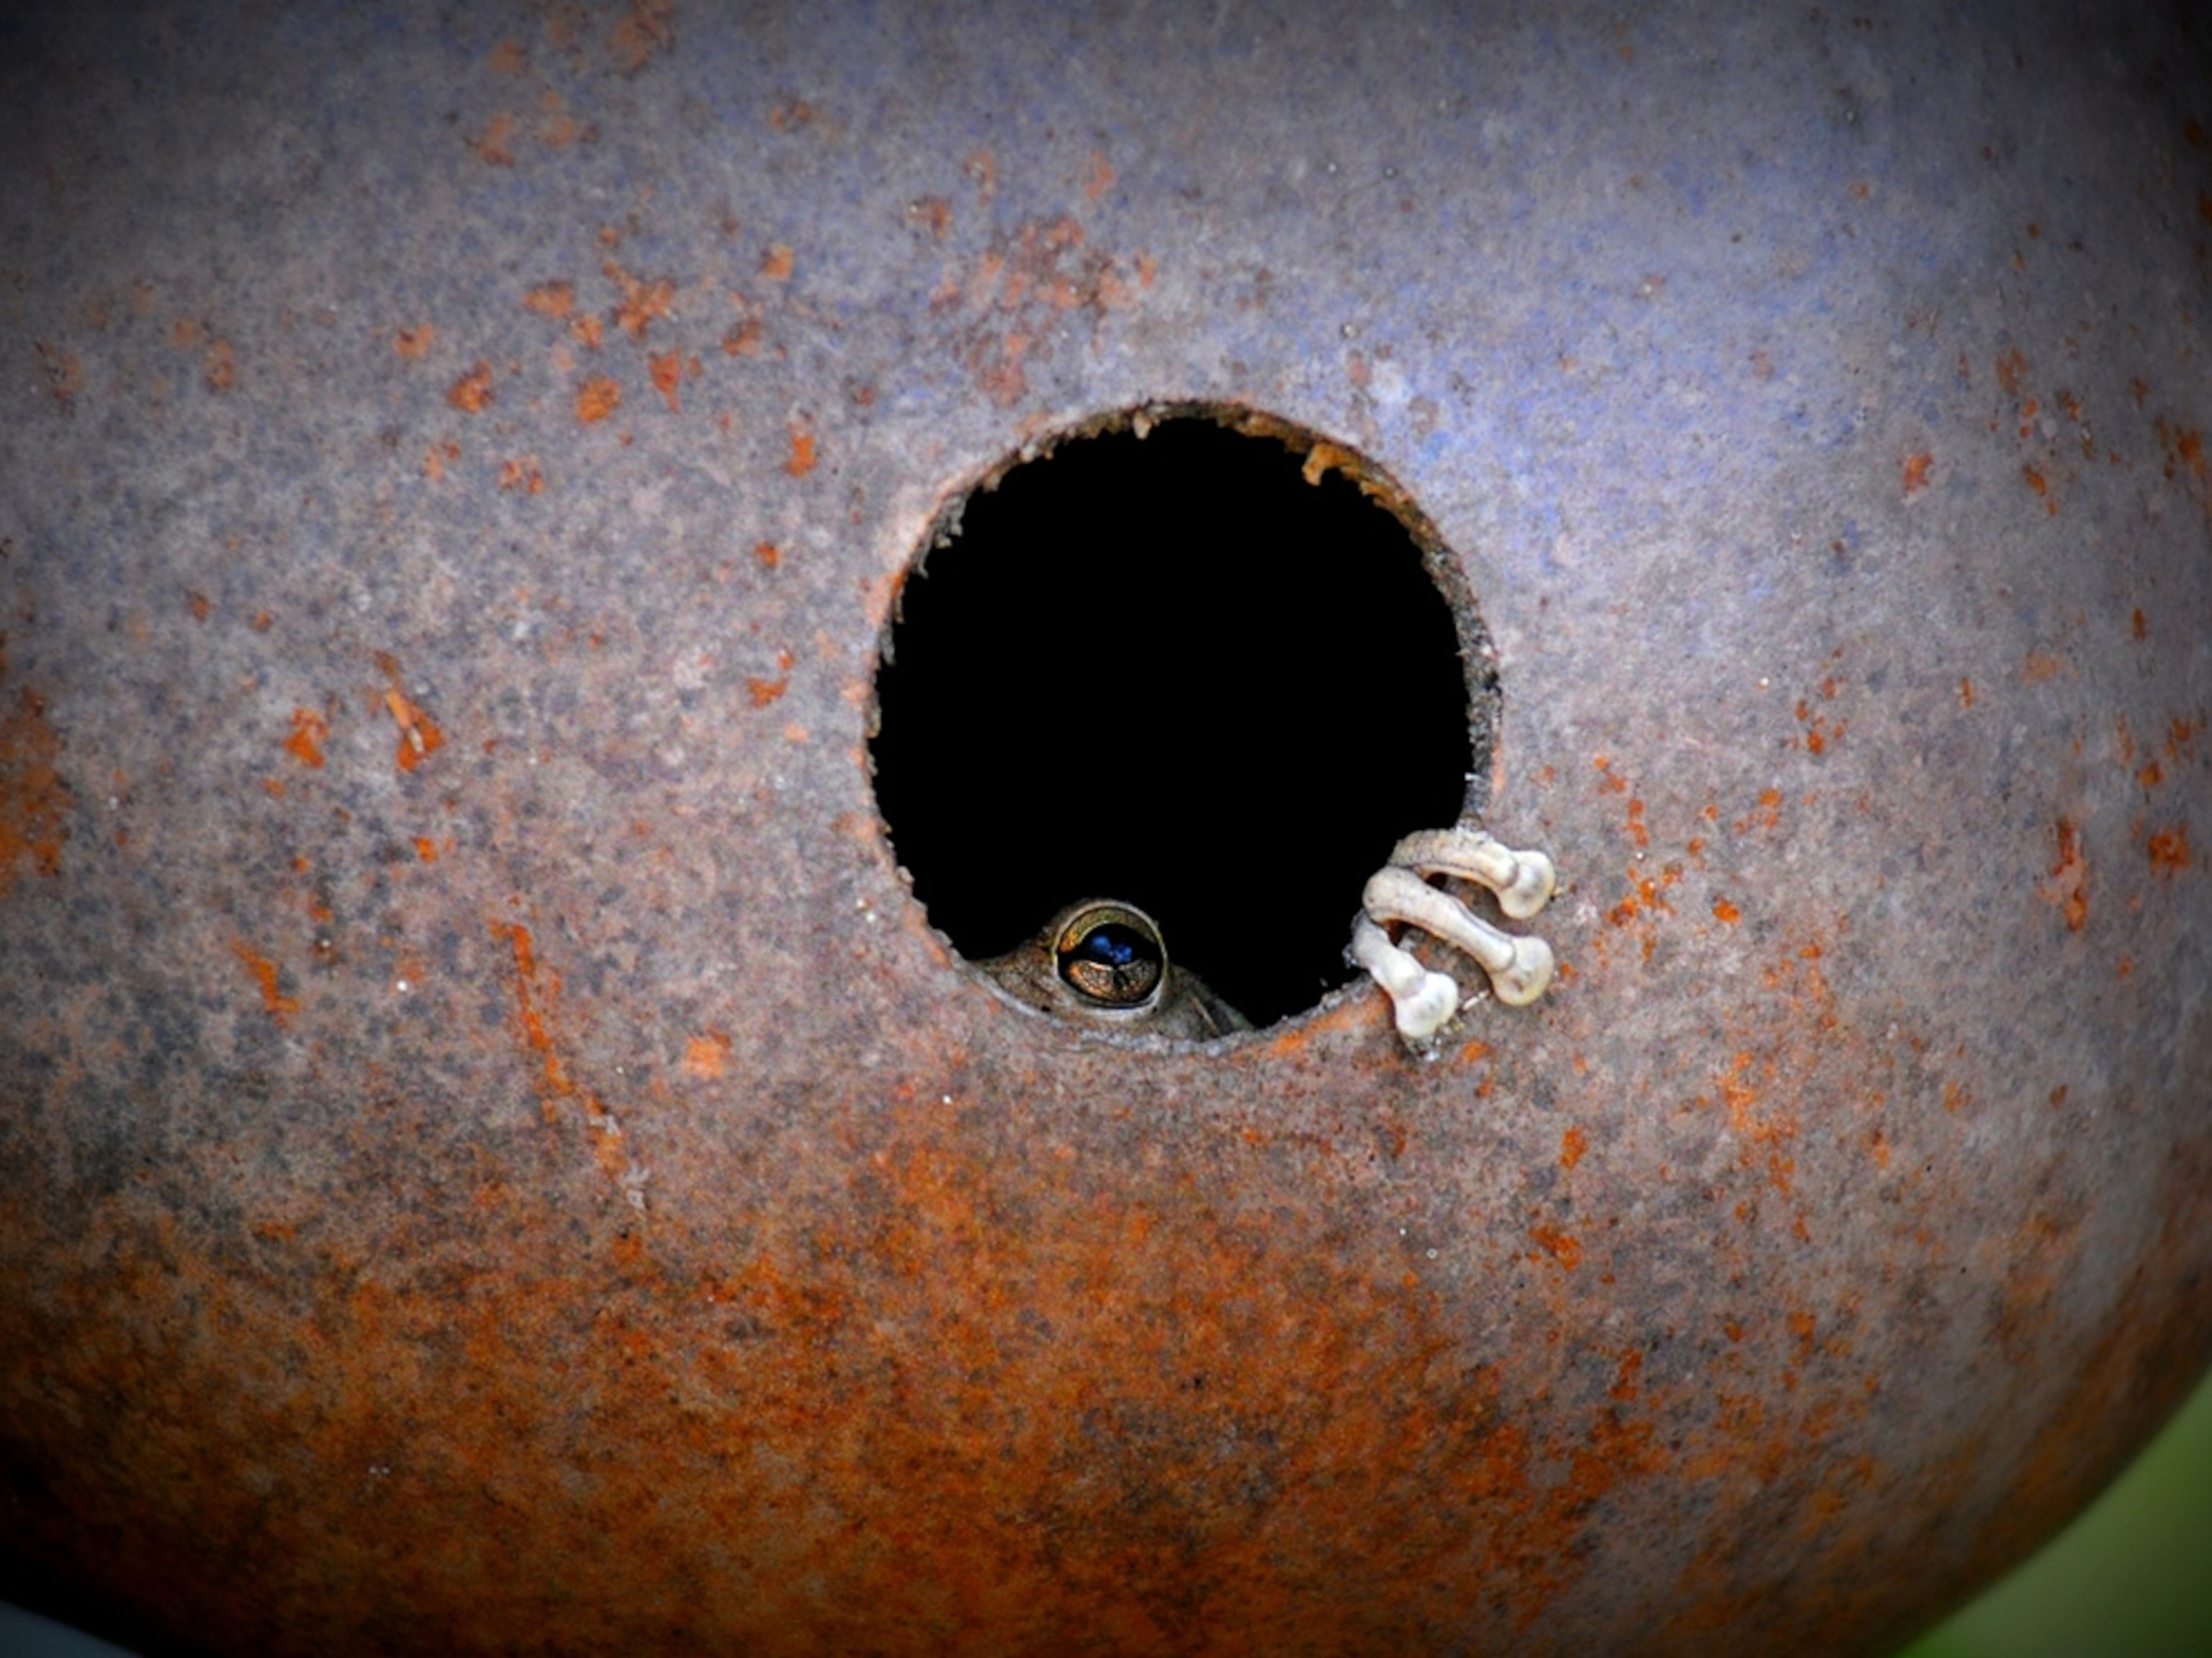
(494, 1154)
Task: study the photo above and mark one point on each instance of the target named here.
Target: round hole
(1186, 662)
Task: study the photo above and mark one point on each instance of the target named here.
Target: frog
(1103, 963)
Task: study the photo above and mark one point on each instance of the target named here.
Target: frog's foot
(1520, 967)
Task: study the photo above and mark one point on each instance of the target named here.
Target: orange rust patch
(2151, 777)
(800, 460)
(1572, 1144)
(668, 377)
(2037, 1257)
(34, 802)
(1820, 730)
(776, 263)
(278, 1006)
(472, 390)
(643, 303)
(2041, 666)
(559, 128)
(2141, 627)
(644, 32)
(1562, 1246)
(1762, 1137)
(596, 398)
(1768, 814)
(934, 211)
(790, 115)
(1046, 1391)
(508, 58)
(1019, 293)
(1645, 896)
(309, 732)
(538, 998)
(419, 737)
(1966, 693)
(2010, 365)
(414, 344)
(522, 473)
(1098, 177)
(766, 553)
(531, 988)
(765, 691)
(2169, 850)
(492, 145)
(1726, 913)
(999, 369)
(1915, 474)
(435, 459)
(707, 1055)
(1627, 1386)
(2068, 885)
(426, 849)
(551, 299)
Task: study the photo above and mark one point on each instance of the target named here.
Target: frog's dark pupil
(1112, 944)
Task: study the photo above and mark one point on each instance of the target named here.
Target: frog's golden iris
(1103, 963)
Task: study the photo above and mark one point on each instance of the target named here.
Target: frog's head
(1103, 963)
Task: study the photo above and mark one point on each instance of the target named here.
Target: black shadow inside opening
(1171, 671)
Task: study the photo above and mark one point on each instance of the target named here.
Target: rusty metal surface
(490, 1155)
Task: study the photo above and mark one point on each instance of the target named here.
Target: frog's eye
(1111, 955)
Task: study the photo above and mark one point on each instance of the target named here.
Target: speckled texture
(492, 1158)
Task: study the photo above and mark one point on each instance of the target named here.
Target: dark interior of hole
(1171, 671)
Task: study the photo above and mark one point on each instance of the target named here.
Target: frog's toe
(1422, 1001)
(1523, 881)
